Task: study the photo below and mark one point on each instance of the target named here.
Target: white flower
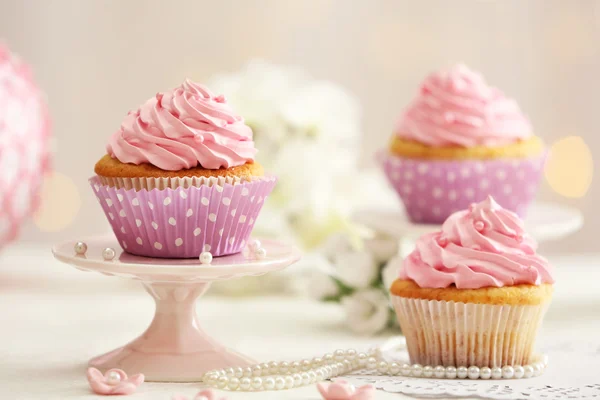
(321, 286)
(390, 271)
(367, 311)
(335, 244)
(356, 269)
(382, 247)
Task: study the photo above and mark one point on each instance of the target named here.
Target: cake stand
(174, 348)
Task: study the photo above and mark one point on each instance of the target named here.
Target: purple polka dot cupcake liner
(431, 190)
(185, 221)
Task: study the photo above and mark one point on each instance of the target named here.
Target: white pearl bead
(496, 373)
(508, 372)
(528, 371)
(334, 370)
(340, 367)
(289, 382)
(206, 257)
(257, 383)
(238, 372)
(269, 383)
(362, 359)
(537, 369)
(328, 358)
(295, 367)
(80, 248)
(519, 372)
(394, 368)
(417, 370)
(279, 383)
(439, 372)
(371, 363)
(473, 372)
(297, 380)
(312, 377)
(113, 378)
(351, 354)
(229, 372)
(462, 372)
(233, 383)
(256, 370)
(245, 384)
(485, 373)
(338, 355)
(328, 371)
(305, 365)
(317, 362)
(382, 367)
(405, 369)
(284, 367)
(265, 368)
(273, 367)
(247, 372)
(254, 245)
(261, 253)
(108, 253)
(450, 372)
(427, 371)
(222, 382)
(305, 378)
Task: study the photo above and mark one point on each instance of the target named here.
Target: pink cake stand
(174, 348)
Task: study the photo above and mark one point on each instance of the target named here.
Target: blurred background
(322, 83)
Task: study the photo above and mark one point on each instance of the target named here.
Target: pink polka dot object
(24, 137)
(431, 190)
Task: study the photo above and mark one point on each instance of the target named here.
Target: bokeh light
(60, 203)
(570, 167)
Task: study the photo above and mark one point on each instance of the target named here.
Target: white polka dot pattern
(166, 223)
(432, 190)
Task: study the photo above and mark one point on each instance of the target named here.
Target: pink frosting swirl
(458, 108)
(183, 128)
(480, 247)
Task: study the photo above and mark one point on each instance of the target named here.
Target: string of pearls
(283, 375)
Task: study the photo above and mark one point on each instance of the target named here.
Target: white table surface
(53, 318)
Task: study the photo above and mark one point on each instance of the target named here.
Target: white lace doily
(573, 373)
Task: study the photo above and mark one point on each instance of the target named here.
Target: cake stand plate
(174, 348)
(545, 221)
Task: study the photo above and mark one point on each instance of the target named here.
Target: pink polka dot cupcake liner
(185, 221)
(431, 190)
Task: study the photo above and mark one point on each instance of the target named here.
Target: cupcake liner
(164, 183)
(466, 334)
(185, 221)
(431, 190)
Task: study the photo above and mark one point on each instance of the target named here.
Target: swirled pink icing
(483, 246)
(457, 107)
(183, 128)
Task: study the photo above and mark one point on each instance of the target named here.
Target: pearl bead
(297, 380)
(80, 248)
(254, 245)
(519, 372)
(229, 372)
(233, 383)
(496, 373)
(405, 369)
(108, 253)
(338, 355)
(371, 363)
(245, 383)
(306, 365)
(417, 370)
(113, 378)
(317, 362)
(261, 253)
(265, 368)
(451, 372)
(462, 372)
(206, 257)
(328, 358)
(351, 354)
(295, 367)
(362, 359)
(473, 372)
(528, 371)
(485, 373)
(279, 383)
(284, 367)
(312, 377)
(382, 367)
(257, 383)
(508, 372)
(537, 369)
(334, 370)
(269, 383)
(439, 372)
(238, 372)
(247, 372)
(328, 371)
(222, 382)
(394, 368)
(427, 371)
(256, 370)
(289, 382)
(305, 378)
(273, 367)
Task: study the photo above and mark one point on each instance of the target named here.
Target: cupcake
(179, 177)
(475, 293)
(459, 141)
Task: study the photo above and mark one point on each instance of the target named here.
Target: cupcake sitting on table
(474, 293)
(180, 178)
(459, 141)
